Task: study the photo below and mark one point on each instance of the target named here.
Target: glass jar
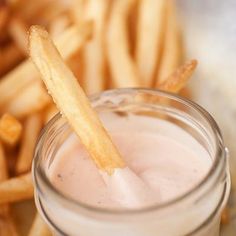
(197, 212)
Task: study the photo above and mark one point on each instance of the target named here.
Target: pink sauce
(163, 161)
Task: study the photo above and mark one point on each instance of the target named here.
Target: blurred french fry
(10, 56)
(32, 127)
(58, 25)
(76, 64)
(171, 54)
(39, 228)
(49, 12)
(150, 28)
(225, 216)
(123, 69)
(7, 226)
(18, 30)
(32, 99)
(16, 189)
(10, 129)
(4, 13)
(50, 112)
(179, 78)
(77, 11)
(27, 11)
(68, 43)
(94, 51)
(3, 164)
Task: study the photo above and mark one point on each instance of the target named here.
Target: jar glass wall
(197, 212)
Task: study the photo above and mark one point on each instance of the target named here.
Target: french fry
(28, 11)
(18, 31)
(49, 113)
(94, 51)
(32, 127)
(177, 80)
(225, 216)
(59, 25)
(7, 226)
(10, 56)
(3, 165)
(39, 228)
(171, 54)
(4, 14)
(49, 12)
(16, 189)
(77, 11)
(10, 129)
(74, 38)
(150, 28)
(32, 99)
(72, 101)
(122, 67)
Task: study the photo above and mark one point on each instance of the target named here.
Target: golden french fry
(4, 209)
(28, 11)
(225, 216)
(77, 11)
(150, 28)
(72, 101)
(39, 228)
(58, 25)
(50, 112)
(3, 165)
(171, 54)
(10, 56)
(18, 30)
(68, 43)
(7, 226)
(32, 99)
(50, 11)
(16, 189)
(32, 127)
(94, 51)
(4, 13)
(10, 129)
(179, 78)
(123, 69)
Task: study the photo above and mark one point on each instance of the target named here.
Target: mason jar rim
(38, 173)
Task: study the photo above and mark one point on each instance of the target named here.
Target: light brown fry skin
(225, 216)
(16, 189)
(178, 80)
(10, 129)
(39, 228)
(32, 99)
(150, 28)
(18, 30)
(10, 56)
(58, 25)
(32, 127)
(7, 226)
(50, 111)
(171, 55)
(77, 11)
(72, 101)
(94, 51)
(4, 14)
(74, 38)
(122, 66)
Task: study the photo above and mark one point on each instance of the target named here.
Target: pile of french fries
(107, 44)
